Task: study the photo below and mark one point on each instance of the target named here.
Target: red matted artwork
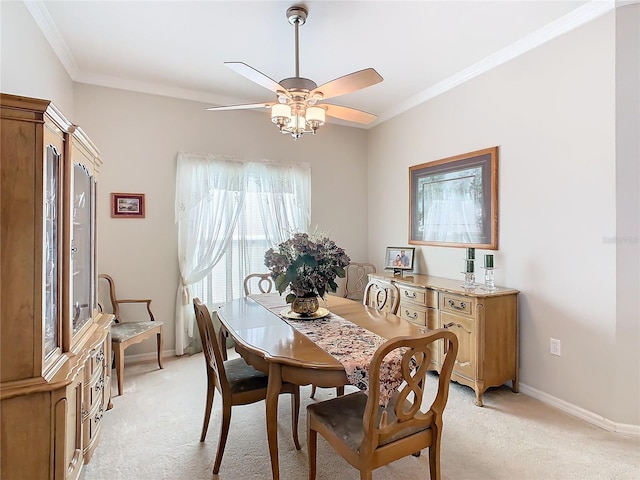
(127, 205)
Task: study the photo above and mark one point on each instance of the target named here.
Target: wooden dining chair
(369, 435)
(262, 281)
(237, 382)
(129, 332)
(384, 296)
(356, 279)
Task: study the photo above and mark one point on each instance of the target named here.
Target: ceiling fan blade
(243, 106)
(257, 77)
(349, 114)
(348, 83)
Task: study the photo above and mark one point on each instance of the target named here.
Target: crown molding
(40, 14)
(574, 19)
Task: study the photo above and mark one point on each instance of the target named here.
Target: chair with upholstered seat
(356, 279)
(369, 435)
(237, 382)
(127, 333)
(382, 296)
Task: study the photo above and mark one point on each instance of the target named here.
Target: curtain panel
(210, 194)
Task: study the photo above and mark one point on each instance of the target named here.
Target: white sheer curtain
(229, 213)
(209, 196)
(284, 198)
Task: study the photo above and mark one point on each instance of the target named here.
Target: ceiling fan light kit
(297, 110)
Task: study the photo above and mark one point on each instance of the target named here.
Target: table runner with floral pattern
(353, 346)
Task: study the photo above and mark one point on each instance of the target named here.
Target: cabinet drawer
(413, 313)
(96, 360)
(457, 304)
(94, 390)
(91, 424)
(421, 296)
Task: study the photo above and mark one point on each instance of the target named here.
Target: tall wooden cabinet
(485, 322)
(54, 343)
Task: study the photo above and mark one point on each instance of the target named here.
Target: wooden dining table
(270, 344)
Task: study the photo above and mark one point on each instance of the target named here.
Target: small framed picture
(127, 205)
(399, 258)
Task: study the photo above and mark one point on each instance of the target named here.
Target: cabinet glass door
(81, 258)
(51, 270)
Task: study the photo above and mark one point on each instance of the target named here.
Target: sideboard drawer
(457, 304)
(413, 313)
(421, 296)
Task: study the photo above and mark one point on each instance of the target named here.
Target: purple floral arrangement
(307, 266)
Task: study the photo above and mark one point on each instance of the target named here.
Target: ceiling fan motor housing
(297, 14)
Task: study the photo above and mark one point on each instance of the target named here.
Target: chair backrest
(356, 278)
(107, 299)
(402, 417)
(210, 345)
(382, 296)
(115, 302)
(263, 281)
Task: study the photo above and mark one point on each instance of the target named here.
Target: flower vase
(305, 306)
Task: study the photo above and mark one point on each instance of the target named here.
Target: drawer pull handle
(413, 294)
(462, 306)
(99, 386)
(449, 325)
(99, 416)
(408, 314)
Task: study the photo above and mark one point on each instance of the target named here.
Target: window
(229, 213)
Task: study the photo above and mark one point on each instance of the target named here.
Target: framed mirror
(453, 202)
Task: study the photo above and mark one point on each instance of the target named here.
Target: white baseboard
(594, 419)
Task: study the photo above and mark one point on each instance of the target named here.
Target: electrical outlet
(554, 346)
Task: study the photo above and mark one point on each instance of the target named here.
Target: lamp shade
(316, 114)
(280, 113)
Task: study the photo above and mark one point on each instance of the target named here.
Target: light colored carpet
(153, 432)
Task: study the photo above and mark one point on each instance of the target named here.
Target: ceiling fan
(298, 108)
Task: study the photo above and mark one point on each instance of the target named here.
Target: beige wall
(627, 244)
(562, 189)
(552, 113)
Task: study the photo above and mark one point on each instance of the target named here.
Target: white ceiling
(177, 48)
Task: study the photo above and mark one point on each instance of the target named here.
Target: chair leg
(340, 391)
(211, 391)
(366, 475)
(434, 459)
(159, 342)
(312, 443)
(224, 432)
(295, 412)
(119, 355)
(313, 391)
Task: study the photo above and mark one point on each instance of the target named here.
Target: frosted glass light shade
(316, 114)
(280, 113)
(298, 122)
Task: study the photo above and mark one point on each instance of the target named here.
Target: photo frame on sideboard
(127, 205)
(399, 259)
(453, 202)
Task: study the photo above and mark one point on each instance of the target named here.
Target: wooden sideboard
(55, 344)
(485, 322)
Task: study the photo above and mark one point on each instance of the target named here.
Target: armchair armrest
(146, 300)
